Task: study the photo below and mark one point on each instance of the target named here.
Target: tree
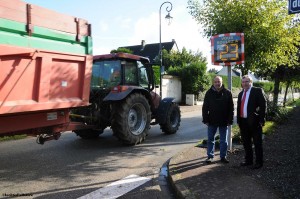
(291, 75)
(193, 77)
(271, 38)
(180, 58)
(190, 67)
(122, 50)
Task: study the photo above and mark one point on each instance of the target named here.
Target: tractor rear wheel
(131, 119)
(172, 121)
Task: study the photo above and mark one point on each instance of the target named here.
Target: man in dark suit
(251, 111)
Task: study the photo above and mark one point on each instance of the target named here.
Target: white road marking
(118, 188)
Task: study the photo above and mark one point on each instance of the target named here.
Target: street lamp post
(168, 9)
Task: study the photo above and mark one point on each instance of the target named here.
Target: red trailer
(48, 75)
(45, 68)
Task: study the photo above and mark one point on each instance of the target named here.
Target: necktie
(242, 104)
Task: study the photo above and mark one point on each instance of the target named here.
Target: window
(130, 73)
(106, 74)
(143, 77)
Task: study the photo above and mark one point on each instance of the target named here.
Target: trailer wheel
(88, 133)
(131, 119)
(172, 121)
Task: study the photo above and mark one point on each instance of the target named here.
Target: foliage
(268, 87)
(236, 81)
(276, 113)
(235, 134)
(295, 103)
(156, 71)
(14, 137)
(190, 67)
(271, 38)
(269, 128)
(193, 77)
(121, 50)
(181, 58)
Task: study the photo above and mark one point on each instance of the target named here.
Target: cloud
(146, 28)
(123, 22)
(184, 29)
(103, 26)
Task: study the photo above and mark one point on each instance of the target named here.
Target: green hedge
(266, 86)
(156, 71)
(236, 81)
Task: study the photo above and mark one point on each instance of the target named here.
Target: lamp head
(169, 18)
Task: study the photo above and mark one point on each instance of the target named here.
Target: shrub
(268, 87)
(235, 134)
(156, 71)
(268, 128)
(276, 113)
(236, 81)
(13, 137)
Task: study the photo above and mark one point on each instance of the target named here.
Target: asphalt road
(72, 167)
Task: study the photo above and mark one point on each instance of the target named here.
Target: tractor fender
(117, 96)
(163, 108)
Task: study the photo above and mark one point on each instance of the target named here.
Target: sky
(117, 23)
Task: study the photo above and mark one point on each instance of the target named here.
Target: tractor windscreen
(106, 74)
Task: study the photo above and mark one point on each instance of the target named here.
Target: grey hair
(247, 76)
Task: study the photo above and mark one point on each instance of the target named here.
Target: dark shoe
(224, 160)
(243, 164)
(257, 166)
(209, 160)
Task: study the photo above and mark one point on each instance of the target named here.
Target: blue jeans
(211, 132)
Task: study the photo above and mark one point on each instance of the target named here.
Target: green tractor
(122, 97)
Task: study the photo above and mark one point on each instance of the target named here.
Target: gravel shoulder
(281, 170)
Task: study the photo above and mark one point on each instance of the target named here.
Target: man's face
(246, 83)
(217, 83)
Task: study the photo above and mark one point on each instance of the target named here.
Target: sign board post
(294, 6)
(228, 50)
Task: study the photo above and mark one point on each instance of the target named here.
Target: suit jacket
(256, 108)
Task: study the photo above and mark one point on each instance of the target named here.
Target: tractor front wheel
(173, 119)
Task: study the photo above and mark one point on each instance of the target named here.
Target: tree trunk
(286, 92)
(276, 89)
(292, 89)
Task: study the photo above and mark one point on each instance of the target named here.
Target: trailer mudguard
(163, 108)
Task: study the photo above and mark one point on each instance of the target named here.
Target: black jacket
(218, 108)
(256, 108)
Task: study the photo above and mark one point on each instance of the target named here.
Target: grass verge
(14, 137)
(268, 128)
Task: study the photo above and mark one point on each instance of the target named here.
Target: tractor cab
(121, 69)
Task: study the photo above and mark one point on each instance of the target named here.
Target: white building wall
(171, 87)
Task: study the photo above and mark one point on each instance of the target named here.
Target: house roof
(150, 50)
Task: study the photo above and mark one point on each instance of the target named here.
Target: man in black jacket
(251, 111)
(217, 112)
